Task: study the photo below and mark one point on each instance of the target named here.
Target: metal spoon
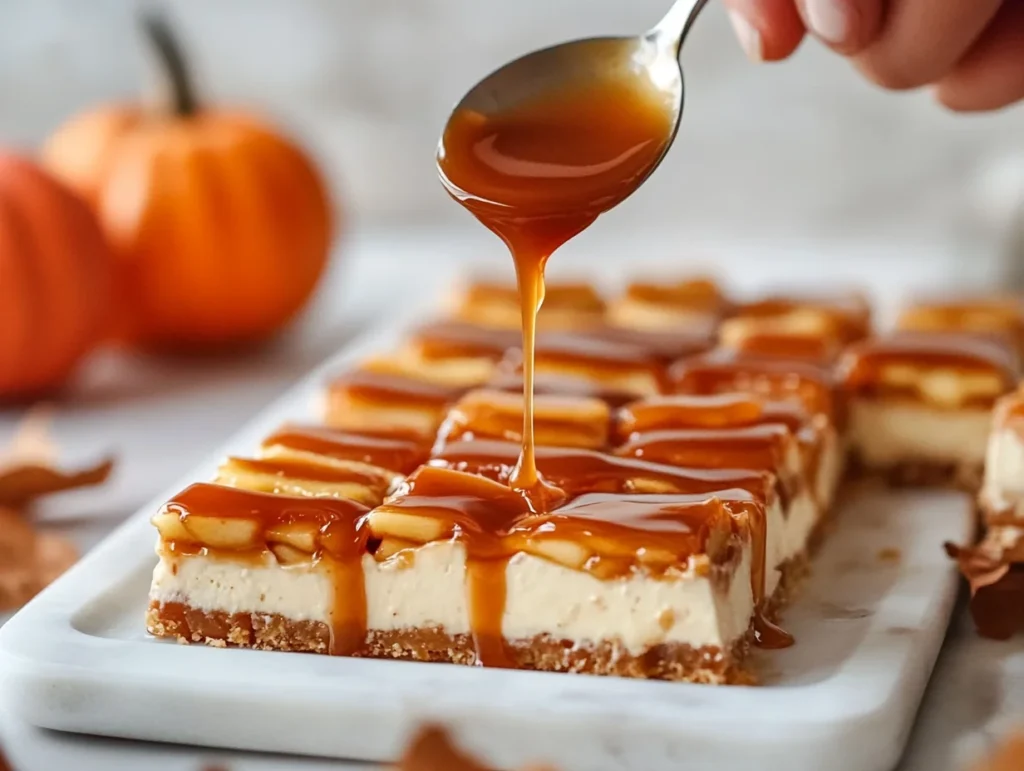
(652, 57)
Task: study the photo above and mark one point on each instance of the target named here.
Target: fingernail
(749, 37)
(831, 20)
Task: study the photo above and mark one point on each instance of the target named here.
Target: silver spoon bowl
(651, 59)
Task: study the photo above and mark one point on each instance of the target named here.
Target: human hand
(970, 51)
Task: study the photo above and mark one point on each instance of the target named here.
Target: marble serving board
(869, 624)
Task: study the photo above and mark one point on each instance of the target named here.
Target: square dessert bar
(920, 404)
(1002, 491)
(998, 316)
(664, 305)
(495, 303)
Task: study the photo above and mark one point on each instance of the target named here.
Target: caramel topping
(557, 294)
(699, 294)
(724, 371)
(726, 410)
(392, 389)
(762, 337)
(656, 533)
(558, 419)
(303, 475)
(946, 369)
(400, 455)
(577, 471)
(847, 316)
(665, 346)
(760, 447)
(988, 315)
(456, 339)
(563, 383)
(232, 520)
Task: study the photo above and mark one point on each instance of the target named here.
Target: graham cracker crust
(672, 661)
(958, 476)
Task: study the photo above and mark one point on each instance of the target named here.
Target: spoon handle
(671, 31)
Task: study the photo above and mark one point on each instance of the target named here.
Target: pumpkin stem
(179, 94)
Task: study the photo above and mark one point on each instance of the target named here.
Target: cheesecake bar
(493, 303)
(1002, 491)
(763, 337)
(668, 305)
(846, 317)
(920, 404)
(994, 315)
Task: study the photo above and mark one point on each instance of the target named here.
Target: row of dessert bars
(691, 445)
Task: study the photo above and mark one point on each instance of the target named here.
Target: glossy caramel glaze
(459, 340)
(561, 419)
(849, 315)
(863, 366)
(665, 346)
(724, 371)
(511, 379)
(724, 410)
(697, 294)
(993, 315)
(760, 447)
(399, 455)
(392, 390)
(578, 471)
(340, 541)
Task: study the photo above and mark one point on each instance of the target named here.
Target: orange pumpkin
(54, 279)
(220, 226)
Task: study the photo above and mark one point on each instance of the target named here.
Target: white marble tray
(869, 626)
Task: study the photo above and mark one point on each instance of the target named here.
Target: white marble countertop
(161, 417)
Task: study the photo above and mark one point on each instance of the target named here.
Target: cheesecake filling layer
(886, 433)
(425, 588)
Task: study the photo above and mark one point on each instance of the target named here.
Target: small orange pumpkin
(220, 226)
(55, 272)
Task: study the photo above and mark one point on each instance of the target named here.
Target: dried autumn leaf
(28, 467)
(29, 561)
(432, 750)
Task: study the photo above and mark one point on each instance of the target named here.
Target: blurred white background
(794, 151)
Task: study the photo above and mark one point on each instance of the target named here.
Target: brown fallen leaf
(29, 561)
(432, 750)
(29, 465)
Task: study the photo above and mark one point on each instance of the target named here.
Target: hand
(970, 51)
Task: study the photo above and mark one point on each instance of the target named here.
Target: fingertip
(845, 26)
(768, 30)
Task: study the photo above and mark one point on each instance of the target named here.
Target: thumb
(768, 30)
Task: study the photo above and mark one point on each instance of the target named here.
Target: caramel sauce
(820, 349)
(341, 542)
(760, 447)
(511, 379)
(295, 469)
(539, 173)
(400, 455)
(724, 410)
(664, 346)
(863, 365)
(566, 304)
(577, 471)
(698, 294)
(560, 419)
(849, 316)
(461, 340)
(724, 371)
(393, 390)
